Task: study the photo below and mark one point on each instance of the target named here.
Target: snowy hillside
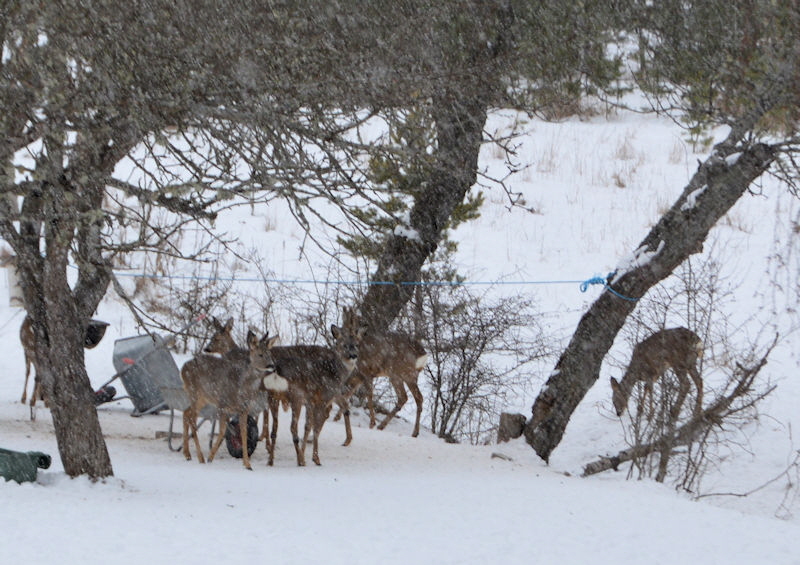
(592, 189)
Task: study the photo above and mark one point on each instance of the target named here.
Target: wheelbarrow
(152, 380)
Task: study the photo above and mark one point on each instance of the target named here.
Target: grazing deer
(314, 377)
(678, 349)
(231, 383)
(394, 355)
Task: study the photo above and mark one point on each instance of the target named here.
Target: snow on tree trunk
(60, 314)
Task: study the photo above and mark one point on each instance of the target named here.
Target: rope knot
(604, 281)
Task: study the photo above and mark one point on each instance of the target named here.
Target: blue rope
(584, 285)
(604, 281)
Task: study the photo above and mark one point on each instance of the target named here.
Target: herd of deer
(298, 376)
(235, 380)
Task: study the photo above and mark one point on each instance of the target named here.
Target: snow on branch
(638, 259)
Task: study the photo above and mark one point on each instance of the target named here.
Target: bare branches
(789, 474)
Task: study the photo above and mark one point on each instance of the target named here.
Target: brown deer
(314, 377)
(222, 343)
(678, 349)
(94, 333)
(29, 347)
(231, 383)
(396, 356)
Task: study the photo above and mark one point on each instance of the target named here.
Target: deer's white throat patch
(350, 364)
(274, 381)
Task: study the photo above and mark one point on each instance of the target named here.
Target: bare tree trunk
(59, 316)
(718, 183)
(460, 106)
(81, 445)
(459, 126)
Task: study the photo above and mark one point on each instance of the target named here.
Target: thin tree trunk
(719, 182)
(459, 110)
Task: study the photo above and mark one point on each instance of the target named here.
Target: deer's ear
(270, 341)
(229, 325)
(252, 338)
(335, 331)
(614, 384)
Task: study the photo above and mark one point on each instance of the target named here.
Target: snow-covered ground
(596, 187)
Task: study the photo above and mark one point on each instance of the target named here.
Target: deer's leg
(698, 383)
(243, 425)
(190, 427)
(309, 424)
(265, 429)
(415, 392)
(683, 390)
(370, 400)
(648, 394)
(196, 434)
(344, 408)
(27, 375)
(223, 428)
(273, 408)
(296, 407)
(185, 438)
(321, 414)
(37, 391)
(402, 397)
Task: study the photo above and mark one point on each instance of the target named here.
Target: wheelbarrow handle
(163, 345)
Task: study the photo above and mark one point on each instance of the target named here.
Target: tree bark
(459, 126)
(467, 82)
(59, 316)
(718, 183)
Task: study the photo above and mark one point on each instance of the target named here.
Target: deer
(678, 349)
(397, 356)
(314, 377)
(223, 344)
(94, 333)
(28, 341)
(231, 383)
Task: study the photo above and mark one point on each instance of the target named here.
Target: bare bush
(479, 347)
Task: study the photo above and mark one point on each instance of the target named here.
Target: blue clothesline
(584, 284)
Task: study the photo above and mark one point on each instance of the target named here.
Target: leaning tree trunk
(715, 187)
(469, 82)
(459, 128)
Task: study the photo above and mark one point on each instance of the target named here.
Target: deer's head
(348, 338)
(261, 363)
(618, 397)
(222, 341)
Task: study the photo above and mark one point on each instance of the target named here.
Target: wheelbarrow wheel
(233, 438)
